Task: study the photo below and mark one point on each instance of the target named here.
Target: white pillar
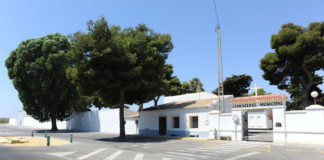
(279, 124)
(238, 131)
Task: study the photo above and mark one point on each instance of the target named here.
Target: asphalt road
(101, 146)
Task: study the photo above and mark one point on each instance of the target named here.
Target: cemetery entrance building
(257, 115)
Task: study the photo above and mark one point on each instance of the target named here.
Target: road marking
(164, 158)
(139, 156)
(293, 150)
(61, 154)
(92, 153)
(187, 154)
(262, 148)
(174, 156)
(320, 150)
(243, 155)
(114, 155)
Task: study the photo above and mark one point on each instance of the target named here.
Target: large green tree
(298, 54)
(236, 85)
(154, 88)
(37, 70)
(118, 66)
(176, 87)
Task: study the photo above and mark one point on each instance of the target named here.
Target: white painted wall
(208, 122)
(25, 120)
(229, 128)
(304, 126)
(150, 119)
(12, 121)
(279, 117)
(31, 122)
(101, 121)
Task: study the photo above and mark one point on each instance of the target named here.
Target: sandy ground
(31, 141)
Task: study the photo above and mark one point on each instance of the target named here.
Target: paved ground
(99, 146)
(260, 135)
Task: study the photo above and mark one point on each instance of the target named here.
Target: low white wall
(12, 121)
(304, 126)
(31, 122)
(229, 128)
(101, 121)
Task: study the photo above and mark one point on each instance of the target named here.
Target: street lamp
(314, 94)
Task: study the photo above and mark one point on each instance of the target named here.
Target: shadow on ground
(136, 139)
(60, 131)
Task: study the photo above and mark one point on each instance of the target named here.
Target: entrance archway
(258, 125)
(261, 116)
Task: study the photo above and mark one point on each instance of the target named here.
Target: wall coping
(301, 131)
(292, 112)
(315, 107)
(226, 114)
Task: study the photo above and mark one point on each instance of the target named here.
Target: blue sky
(247, 26)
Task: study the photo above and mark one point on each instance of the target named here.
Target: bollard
(45, 134)
(71, 140)
(48, 140)
(32, 133)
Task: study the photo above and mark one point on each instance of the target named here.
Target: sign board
(261, 105)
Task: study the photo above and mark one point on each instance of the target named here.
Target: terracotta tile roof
(259, 99)
(200, 103)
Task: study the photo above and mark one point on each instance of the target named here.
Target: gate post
(279, 124)
(238, 132)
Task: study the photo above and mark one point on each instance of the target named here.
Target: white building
(185, 115)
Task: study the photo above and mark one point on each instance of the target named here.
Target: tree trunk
(156, 100)
(307, 86)
(121, 115)
(140, 107)
(53, 120)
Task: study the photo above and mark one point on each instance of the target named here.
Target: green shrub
(4, 120)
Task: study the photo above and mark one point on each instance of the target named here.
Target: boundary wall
(101, 121)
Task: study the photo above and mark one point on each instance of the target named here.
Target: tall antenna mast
(221, 105)
(220, 71)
